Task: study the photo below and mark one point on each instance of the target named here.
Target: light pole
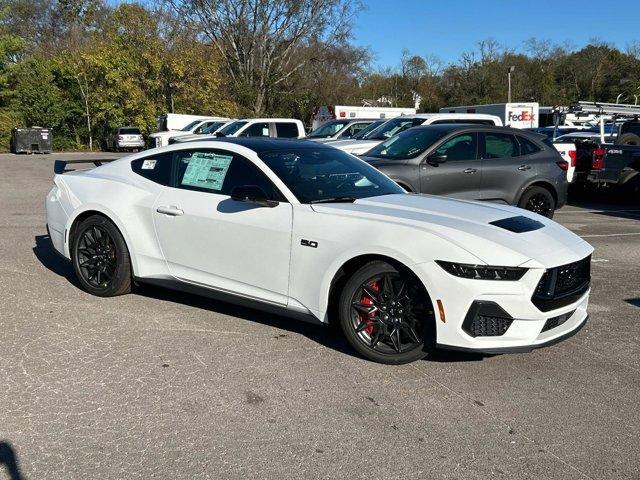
(509, 72)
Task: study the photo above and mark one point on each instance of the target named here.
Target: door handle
(524, 167)
(170, 210)
(470, 170)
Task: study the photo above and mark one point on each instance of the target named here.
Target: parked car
(399, 124)
(125, 138)
(161, 139)
(312, 232)
(211, 129)
(258, 127)
(339, 130)
(475, 162)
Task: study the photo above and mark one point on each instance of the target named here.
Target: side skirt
(173, 284)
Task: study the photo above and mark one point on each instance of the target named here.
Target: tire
(628, 139)
(377, 336)
(101, 258)
(538, 200)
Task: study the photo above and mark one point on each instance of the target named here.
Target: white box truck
(516, 115)
(326, 113)
(177, 121)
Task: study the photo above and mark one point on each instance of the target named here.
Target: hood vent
(518, 224)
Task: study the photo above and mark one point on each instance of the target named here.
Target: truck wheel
(628, 139)
(538, 200)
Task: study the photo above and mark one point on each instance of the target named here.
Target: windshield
(328, 129)
(232, 128)
(393, 127)
(322, 174)
(212, 127)
(190, 127)
(364, 133)
(408, 144)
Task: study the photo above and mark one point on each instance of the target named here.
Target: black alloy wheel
(101, 258)
(538, 200)
(386, 314)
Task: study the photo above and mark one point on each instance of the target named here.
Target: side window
(353, 129)
(527, 147)
(260, 129)
(156, 168)
(461, 147)
(287, 130)
(219, 172)
(500, 145)
(201, 127)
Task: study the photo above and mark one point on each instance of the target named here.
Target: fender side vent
(518, 224)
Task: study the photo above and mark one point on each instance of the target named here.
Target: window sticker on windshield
(148, 164)
(207, 170)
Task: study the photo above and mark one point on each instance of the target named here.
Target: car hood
(468, 225)
(356, 147)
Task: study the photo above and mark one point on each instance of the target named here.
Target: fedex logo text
(523, 116)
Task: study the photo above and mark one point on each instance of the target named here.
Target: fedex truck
(516, 115)
(326, 113)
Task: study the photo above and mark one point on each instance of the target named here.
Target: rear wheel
(628, 139)
(101, 258)
(385, 314)
(538, 200)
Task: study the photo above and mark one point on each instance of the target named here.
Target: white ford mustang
(316, 233)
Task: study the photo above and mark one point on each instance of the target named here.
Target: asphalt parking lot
(158, 384)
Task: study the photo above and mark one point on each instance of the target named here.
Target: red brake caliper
(367, 300)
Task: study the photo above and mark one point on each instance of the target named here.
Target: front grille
(486, 319)
(554, 322)
(561, 286)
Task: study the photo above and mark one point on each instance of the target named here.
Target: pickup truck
(615, 161)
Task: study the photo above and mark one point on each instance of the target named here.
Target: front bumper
(528, 327)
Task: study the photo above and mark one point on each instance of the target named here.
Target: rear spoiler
(60, 166)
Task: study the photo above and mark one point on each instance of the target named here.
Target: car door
(209, 239)
(457, 175)
(504, 169)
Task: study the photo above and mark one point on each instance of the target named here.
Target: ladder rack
(618, 109)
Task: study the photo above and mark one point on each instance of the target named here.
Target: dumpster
(31, 140)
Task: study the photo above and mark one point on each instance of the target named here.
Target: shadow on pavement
(328, 336)
(633, 301)
(8, 459)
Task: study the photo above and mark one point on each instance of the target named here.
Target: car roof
(462, 127)
(264, 144)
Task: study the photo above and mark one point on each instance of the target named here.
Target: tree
(261, 42)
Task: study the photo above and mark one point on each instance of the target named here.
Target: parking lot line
(611, 235)
(557, 212)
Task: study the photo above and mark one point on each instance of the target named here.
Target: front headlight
(482, 272)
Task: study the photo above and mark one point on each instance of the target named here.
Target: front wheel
(538, 200)
(386, 315)
(101, 258)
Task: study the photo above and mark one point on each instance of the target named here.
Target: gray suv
(474, 162)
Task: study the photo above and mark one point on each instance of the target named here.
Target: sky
(447, 28)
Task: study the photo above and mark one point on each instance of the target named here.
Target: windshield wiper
(335, 200)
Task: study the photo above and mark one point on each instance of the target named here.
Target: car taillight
(598, 159)
(343, 114)
(563, 164)
(572, 156)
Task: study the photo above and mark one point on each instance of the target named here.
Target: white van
(515, 115)
(399, 124)
(326, 113)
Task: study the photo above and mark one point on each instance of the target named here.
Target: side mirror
(436, 160)
(252, 194)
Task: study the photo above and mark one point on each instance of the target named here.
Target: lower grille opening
(486, 319)
(554, 322)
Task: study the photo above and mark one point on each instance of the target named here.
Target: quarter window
(527, 147)
(156, 168)
(500, 145)
(461, 147)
